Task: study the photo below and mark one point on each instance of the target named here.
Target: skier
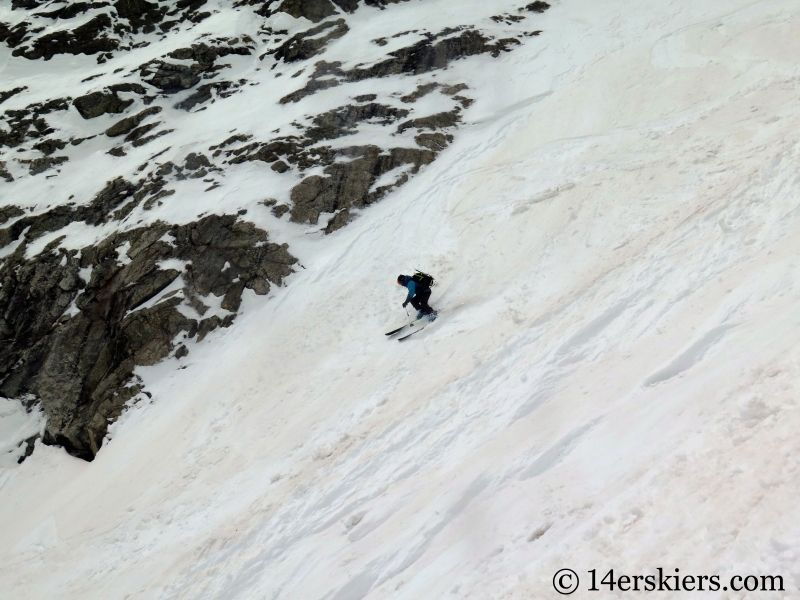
(419, 290)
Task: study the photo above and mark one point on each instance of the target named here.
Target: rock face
(97, 104)
(76, 318)
(74, 324)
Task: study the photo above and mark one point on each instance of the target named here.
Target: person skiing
(419, 291)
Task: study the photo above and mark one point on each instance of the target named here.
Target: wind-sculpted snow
(155, 116)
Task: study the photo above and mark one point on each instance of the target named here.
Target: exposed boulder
(100, 103)
(537, 6)
(50, 146)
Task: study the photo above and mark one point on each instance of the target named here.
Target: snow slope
(612, 381)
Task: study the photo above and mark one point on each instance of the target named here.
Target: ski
(421, 327)
(406, 326)
(399, 329)
(426, 320)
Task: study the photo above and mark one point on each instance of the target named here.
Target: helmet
(401, 279)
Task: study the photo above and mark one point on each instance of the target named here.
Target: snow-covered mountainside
(152, 150)
(205, 206)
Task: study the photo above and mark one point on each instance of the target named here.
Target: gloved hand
(405, 304)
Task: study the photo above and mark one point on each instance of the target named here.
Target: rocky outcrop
(104, 102)
(309, 43)
(6, 95)
(172, 78)
(74, 324)
(313, 10)
(89, 38)
(209, 91)
(29, 122)
(347, 184)
(419, 58)
(342, 121)
(127, 124)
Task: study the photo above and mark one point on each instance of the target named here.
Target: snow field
(611, 382)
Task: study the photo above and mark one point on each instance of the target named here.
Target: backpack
(423, 279)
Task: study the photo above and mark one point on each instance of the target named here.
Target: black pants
(420, 301)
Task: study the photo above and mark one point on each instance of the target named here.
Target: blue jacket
(412, 288)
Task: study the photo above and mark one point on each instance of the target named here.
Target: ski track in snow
(612, 381)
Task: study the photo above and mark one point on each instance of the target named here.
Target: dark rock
(6, 95)
(5, 174)
(308, 43)
(347, 184)
(48, 147)
(313, 10)
(204, 94)
(280, 210)
(422, 57)
(339, 220)
(348, 6)
(28, 122)
(452, 90)
(173, 78)
(26, 4)
(127, 124)
(437, 121)
(86, 39)
(537, 6)
(140, 14)
(434, 141)
(365, 98)
(320, 80)
(30, 444)
(100, 103)
(136, 88)
(10, 212)
(150, 138)
(382, 3)
(280, 167)
(422, 90)
(40, 165)
(13, 37)
(508, 19)
(196, 161)
(139, 132)
(342, 121)
(71, 10)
